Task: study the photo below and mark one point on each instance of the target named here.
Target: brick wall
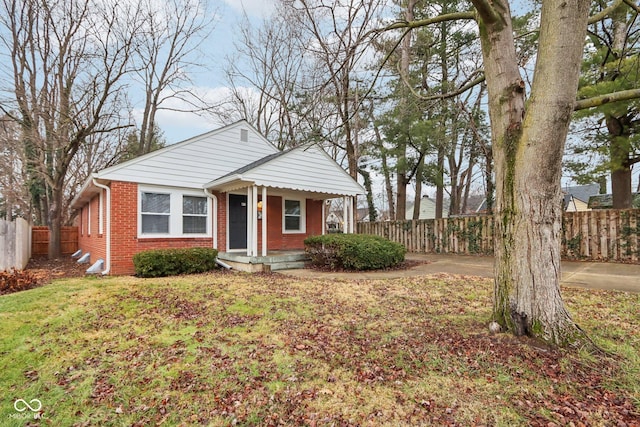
(222, 221)
(124, 228)
(90, 240)
(276, 240)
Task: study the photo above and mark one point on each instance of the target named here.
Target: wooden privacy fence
(68, 240)
(596, 235)
(15, 244)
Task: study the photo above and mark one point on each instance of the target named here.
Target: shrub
(16, 280)
(354, 251)
(172, 262)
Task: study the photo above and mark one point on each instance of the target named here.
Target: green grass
(221, 349)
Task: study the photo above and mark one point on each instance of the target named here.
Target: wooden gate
(40, 240)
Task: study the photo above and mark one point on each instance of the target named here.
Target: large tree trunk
(440, 183)
(528, 146)
(618, 127)
(55, 224)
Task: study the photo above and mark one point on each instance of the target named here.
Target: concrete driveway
(594, 275)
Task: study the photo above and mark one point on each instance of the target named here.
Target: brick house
(229, 189)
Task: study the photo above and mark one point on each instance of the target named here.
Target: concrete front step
(272, 262)
(289, 265)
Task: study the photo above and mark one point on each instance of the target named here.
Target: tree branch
(605, 12)
(446, 95)
(597, 101)
(486, 11)
(632, 5)
(424, 22)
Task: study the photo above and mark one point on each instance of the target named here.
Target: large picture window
(194, 215)
(173, 212)
(155, 212)
(293, 216)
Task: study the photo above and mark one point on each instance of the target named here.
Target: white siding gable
(196, 161)
(302, 169)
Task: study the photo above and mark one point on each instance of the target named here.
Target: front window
(293, 216)
(173, 212)
(155, 213)
(194, 215)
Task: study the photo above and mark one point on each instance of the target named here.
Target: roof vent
(244, 135)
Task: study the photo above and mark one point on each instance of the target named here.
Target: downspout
(108, 239)
(214, 199)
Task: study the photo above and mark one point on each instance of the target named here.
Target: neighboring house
(335, 223)
(605, 201)
(427, 209)
(576, 199)
(229, 189)
(476, 205)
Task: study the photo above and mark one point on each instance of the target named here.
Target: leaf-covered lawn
(238, 349)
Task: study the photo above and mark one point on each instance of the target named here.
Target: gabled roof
(605, 201)
(582, 192)
(305, 168)
(195, 161)
(190, 163)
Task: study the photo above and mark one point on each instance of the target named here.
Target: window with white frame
(293, 216)
(194, 215)
(155, 213)
(173, 212)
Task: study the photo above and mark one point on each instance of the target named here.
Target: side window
(155, 213)
(194, 215)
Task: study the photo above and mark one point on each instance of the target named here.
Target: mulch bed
(405, 265)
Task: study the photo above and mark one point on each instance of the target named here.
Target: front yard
(236, 349)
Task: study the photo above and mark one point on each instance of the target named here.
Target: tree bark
(528, 145)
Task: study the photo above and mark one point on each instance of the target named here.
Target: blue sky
(211, 81)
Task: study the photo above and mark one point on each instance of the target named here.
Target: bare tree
(267, 76)
(14, 197)
(68, 59)
(339, 32)
(167, 47)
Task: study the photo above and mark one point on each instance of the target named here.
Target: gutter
(108, 239)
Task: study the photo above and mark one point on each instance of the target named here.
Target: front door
(237, 221)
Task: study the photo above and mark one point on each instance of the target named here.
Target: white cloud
(261, 8)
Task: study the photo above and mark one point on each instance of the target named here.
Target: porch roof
(305, 168)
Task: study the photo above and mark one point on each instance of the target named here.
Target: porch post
(324, 219)
(254, 221)
(352, 217)
(249, 220)
(345, 214)
(264, 221)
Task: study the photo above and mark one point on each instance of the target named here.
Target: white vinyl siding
(196, 161)
(171, 212)
(293, 215)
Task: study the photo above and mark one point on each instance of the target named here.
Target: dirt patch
(46, 270)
